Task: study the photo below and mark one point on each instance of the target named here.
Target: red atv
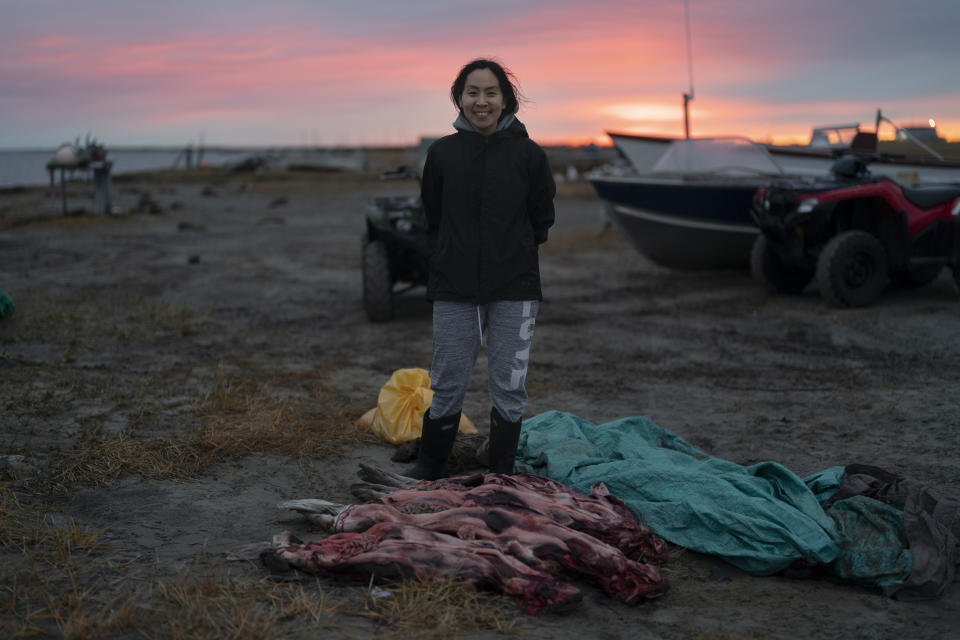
(854, 233)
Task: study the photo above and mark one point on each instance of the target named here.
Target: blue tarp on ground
(760, 518)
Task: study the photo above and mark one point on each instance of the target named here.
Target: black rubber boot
(436, 443)
(502, 447)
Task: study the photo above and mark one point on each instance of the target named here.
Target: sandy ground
(249, 285)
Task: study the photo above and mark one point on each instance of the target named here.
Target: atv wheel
(852, 269)
(377, 282)
(767, 269)
(920, 276)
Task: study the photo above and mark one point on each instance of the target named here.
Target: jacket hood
(507, 121)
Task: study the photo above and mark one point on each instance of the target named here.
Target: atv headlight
(807, 204)
(956, 208)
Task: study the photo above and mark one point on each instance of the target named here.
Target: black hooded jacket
(489, 203)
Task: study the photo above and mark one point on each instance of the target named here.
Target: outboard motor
(849, 167)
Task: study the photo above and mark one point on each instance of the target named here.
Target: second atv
(396, 253)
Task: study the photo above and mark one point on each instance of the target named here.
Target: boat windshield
(726, 156)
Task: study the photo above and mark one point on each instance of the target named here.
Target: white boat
(908, 163)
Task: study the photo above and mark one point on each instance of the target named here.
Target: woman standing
(487, 192)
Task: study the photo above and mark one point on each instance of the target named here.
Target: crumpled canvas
(398, 416)
(759, 518)
(859, 523)
(896, 523)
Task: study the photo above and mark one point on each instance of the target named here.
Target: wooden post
(101, 187)
(63, 190)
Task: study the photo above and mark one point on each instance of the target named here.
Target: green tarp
(760, 518)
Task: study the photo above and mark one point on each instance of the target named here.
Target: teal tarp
(760, 518)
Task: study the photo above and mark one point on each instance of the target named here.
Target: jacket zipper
(479, 220)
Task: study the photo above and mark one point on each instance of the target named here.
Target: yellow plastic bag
(398, 416)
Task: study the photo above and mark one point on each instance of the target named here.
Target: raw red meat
(391, 550)
(599, 514)
(533, 538)
(551, 529)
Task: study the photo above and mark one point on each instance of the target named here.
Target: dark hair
(508, 84)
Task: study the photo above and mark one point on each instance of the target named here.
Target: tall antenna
(687, 97)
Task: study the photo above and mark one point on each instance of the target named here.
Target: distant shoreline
(27, 167)
(223, 148)
(205, 148)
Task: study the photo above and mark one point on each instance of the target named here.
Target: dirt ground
(175, 371)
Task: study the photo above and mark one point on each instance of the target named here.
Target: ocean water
(28, 168)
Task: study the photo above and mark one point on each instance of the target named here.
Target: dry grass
(296, 415)
(31, 207)
(265, 180)
(168, 319)
(74, 326)
(240, 416)
(43, 589)
(33, 533)
(34, 601)
(242, 412)
(65, 585)
(77, 219)
(37, 402)
(99, 463)
(64, 323)
(216, 607)
(440, 609)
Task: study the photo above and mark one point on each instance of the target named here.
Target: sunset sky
(371, 72)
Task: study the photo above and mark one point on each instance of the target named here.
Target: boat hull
(683, 224)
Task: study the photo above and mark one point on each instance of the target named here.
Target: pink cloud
(47, 42)
(585, 69)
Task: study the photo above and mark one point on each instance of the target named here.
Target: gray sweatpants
(458, 328)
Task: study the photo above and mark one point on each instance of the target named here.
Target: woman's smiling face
(482, 101)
